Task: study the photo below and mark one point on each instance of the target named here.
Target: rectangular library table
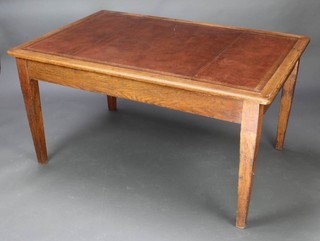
(227, 73)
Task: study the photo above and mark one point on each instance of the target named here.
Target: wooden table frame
(224, 103)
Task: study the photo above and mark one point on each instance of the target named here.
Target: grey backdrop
(147, 173)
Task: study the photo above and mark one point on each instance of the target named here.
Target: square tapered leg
(251, 124)
(31, 96)
(285, 107)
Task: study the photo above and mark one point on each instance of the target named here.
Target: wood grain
(141, 76)
(251, 124)
(174, 98)
(285, 107)
(276, 82)
(31, 95)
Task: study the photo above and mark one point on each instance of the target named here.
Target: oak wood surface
(155, 79)
(251, 124)
(285, 107)
(31, 96)
(174, 98)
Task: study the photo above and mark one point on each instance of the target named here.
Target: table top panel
(225, 56)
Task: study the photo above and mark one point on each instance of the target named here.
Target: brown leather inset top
(231, 57)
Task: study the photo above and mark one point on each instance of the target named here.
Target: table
(227, 73)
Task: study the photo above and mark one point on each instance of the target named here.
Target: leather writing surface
(225, 56)
(249, 62)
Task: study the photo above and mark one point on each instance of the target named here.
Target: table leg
(112, 103)
(285, 107)
(251, 123)
(31, 95)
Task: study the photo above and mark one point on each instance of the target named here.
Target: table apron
(223, 108)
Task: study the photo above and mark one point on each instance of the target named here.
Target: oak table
(227, 73)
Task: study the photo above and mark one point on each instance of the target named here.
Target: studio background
(147, 173)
